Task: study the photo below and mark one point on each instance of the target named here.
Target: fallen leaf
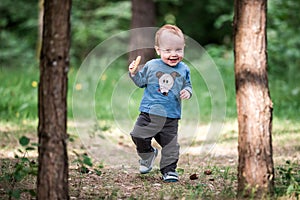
(208, 172)
(193, 177)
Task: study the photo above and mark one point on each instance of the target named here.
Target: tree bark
(52, 180)
(143, 15)
(254, 105)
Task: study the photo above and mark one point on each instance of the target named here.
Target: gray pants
(164, 131)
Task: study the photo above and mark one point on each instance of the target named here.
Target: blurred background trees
(95, 20)
(143, 14)
(207, 21)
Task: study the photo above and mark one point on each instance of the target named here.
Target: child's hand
(184, 94)
(133, 67)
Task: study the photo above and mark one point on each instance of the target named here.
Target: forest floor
(206, 171)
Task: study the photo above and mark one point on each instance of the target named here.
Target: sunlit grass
(18, 91)
(19, 88)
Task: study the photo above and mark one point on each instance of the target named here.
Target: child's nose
(173, 53)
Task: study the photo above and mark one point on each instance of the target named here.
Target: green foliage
(18, 91)
(18, 32)
(223, 58)
(85, 164)
(284, 42)
(24, 141)
(288, 180)
(92, 22)
(23, 168)
(192, 17)
(95, 21)
(284, 55)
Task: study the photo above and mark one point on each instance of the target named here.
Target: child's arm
(133, 67)
(138, 75)
(186, 92)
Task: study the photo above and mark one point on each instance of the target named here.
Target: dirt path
(118, 176)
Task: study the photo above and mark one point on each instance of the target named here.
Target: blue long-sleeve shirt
(163, 84)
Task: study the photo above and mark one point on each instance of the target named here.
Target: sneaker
(170, 177)
(146, 165)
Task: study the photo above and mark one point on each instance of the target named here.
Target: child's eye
(178, 50)
(169, 51)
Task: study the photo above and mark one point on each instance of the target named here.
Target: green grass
(18, 91)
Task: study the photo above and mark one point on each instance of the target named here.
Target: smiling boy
(166, 81)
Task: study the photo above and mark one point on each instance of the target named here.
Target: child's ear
(157, 50)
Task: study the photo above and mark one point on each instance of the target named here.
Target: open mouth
(173, 59)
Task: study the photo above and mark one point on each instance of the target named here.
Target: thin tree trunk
(40, 29)
(143, 15)
(52, 180)
(254, 106)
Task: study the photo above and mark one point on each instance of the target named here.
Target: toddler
(166, 81)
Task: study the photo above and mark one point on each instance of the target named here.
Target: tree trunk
(143, 15)
(52, 180)
(254, 106)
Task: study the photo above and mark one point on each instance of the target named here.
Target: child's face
(171, 48)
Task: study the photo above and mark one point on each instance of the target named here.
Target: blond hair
(170, 28)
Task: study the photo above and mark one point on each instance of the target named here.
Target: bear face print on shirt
(166, 81)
